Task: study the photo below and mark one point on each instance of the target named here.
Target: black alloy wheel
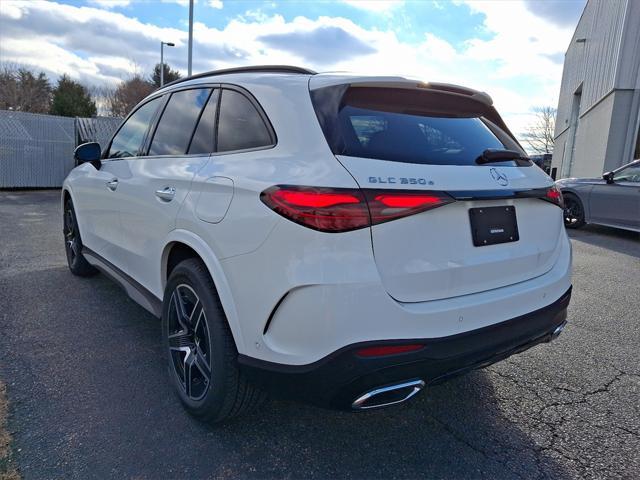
(188, 335)
(73, 243)
(573, 212)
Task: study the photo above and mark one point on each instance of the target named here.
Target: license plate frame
(493, 225)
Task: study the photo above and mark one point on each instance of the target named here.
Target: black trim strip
(137, 292)
(498, 194)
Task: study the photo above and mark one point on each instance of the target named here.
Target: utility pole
(162, 44)
(189, 63)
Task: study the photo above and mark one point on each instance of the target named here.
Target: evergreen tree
(169, 75)
(72, 99)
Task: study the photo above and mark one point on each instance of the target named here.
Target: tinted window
(629, 174)
(406, 126)
(128, 140)
(240, 125)
(178, 122)
(203, 138)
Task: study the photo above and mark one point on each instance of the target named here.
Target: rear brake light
(344, 209)
(381, 351)
(324, 209)
(554, 195)
(389, 205)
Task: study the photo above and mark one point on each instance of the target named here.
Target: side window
(128, 140)
(629, 174)
(204, 138)
(240, 125)
(178, 122)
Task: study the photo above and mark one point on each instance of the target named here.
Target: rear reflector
(381, 351)
(344, 209)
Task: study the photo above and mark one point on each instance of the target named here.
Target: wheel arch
(182, 244)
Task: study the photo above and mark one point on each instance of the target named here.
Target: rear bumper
(339, 378)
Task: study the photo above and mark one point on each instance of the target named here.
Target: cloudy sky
(511, 49)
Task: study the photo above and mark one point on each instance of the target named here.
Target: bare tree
(122, 100)
(539, 135)
(23, 91)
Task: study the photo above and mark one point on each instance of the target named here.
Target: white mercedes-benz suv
(342, 239)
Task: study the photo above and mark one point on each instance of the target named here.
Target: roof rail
(254, 68)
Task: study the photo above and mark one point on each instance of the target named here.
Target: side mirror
(88, 153)
(608, 177)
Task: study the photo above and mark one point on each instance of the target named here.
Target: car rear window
(408, 126)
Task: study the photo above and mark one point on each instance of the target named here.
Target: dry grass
(7, 468)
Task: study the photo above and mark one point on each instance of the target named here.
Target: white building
(598, 121)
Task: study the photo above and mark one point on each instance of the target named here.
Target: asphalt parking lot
(89, 396)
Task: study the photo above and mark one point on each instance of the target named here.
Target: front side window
(178, 122)
(128, 141)
(629, 174)
(240, 126)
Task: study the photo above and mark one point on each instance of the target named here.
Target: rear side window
(178, 122)
(240, 126)
(408, 126)
(203, 140)
(128, 140)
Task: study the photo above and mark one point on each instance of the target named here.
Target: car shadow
(616, 239)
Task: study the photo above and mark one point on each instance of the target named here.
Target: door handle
(112, 185)
(166, 194)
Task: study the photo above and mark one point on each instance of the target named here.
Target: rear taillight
(554, 195)
(389, 205)
(343, 209)
(324, 209)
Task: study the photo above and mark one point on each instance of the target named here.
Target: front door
(156, 185)
(618, 203)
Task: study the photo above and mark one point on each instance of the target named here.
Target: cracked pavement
(89, 397)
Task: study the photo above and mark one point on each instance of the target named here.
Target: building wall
(605, 69)
(590, 142)
(593, 63)
(620, 141)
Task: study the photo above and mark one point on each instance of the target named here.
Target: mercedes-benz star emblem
(499, 177)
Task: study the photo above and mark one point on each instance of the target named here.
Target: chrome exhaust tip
(558, 330)
(387, 396)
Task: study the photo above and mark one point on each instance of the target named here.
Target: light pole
(162, 44)
(189, 56)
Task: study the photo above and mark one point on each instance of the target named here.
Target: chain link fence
(36, 150)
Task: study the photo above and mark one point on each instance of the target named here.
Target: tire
(573, 211)
(73, 243)
(201, 353)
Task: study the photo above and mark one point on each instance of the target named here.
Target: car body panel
(291, 294)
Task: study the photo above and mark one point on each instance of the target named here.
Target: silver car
(613, 200)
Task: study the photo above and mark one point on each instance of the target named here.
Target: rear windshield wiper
(491, 155)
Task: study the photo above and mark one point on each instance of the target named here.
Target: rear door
(406, 140)
(155, 185)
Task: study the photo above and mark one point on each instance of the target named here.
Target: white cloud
(215, 4)
(376, 6)
(47, 35)
(110, 3)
